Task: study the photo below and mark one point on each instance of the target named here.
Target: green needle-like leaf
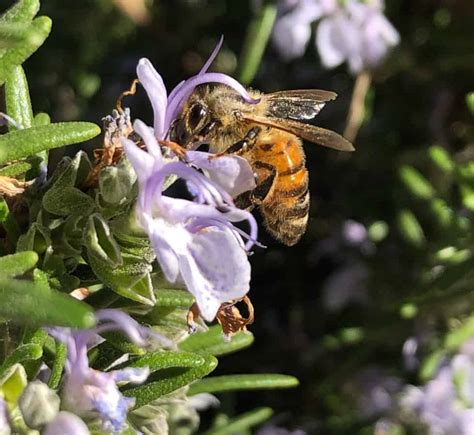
(58, 365)
(410, 228)
(219, 384)
(23, 143)
(32, 303)
(17, 97)
(38, 32)
(458, 336)
(165, 381)
(22, 353)
(17, 264)
(21, 12)
(163, 360)
(213, 342)
(8, 222)
(173, 298)
(243, 422)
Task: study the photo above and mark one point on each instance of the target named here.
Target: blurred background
(385, 269)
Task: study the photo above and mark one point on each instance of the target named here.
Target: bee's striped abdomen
(285, 211)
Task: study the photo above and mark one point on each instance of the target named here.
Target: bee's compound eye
(197, 115)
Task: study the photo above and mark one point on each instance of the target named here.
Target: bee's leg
(243, 145)
(266, 179)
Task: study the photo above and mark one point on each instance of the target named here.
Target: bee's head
(194, 124)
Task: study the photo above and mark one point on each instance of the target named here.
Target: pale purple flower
(92, 394)
(446, 403)
(354, 31)
(195, 241)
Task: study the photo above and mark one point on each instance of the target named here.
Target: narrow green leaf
(21, 11)
(410, 228)
(23, 143)
(17, 98)
(173, 298)
(243, 422)
(441, 158)
(58, 365)
(431, 364)
(165, 381)
(213, 342)
(416, 183)
(22, 353)
(163, 360)
(15, 169)
(30, 303)
(256, 40)
(218, 384)
(38, 32)
(17, 264)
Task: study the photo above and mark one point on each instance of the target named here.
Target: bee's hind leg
(266, 175)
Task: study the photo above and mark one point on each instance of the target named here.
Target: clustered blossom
(445, 405)
(195, 241)
(352, 31)
(92, 394)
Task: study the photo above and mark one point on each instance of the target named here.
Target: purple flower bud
(66, 423)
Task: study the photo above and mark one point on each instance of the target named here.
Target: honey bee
(268, 135)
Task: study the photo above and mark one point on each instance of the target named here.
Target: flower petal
(216, 270)
(212, 57)
(233, 173)
(328, 45)
(156, 91)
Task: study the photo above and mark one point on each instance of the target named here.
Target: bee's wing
(303, 104)
(311, 133)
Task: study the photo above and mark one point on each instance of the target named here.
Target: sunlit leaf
(165, 381)
(20, 354)
(217, 384)
(38, 32)
(410, 228)
(213, 342)
(17, 264)
(21, 11)
(23, 143)
(29, 303)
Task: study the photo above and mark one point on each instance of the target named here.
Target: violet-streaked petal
(163, 237)
(148, 135)
(206, 272)
(186, 89)
(233, 173)
(156, 90)
(212, 57)
(113, 320)
(131, 375)
(66, 423)
(142, 162)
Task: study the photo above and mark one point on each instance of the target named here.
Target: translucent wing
(311, 133)
(303, 104)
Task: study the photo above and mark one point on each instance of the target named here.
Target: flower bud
(39, 404)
